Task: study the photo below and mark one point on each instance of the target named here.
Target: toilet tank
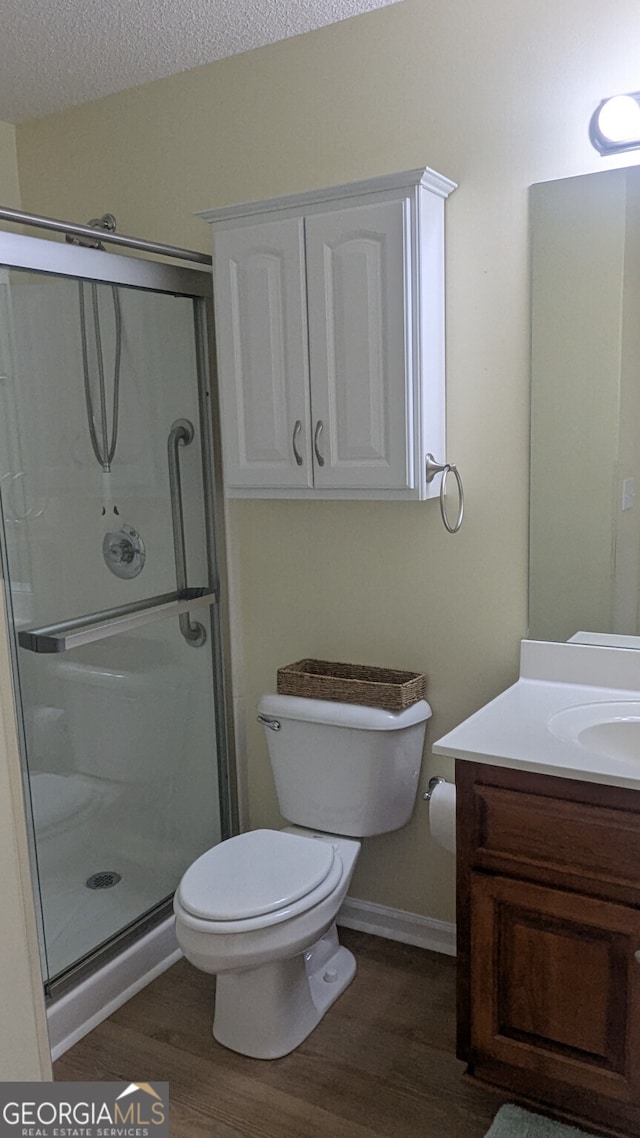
(125, 712)
(343, 768)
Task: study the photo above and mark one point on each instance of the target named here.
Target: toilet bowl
(61, 800)
(64, 808)
(259, 910)
(268, 933)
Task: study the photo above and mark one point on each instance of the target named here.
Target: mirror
(584, 563)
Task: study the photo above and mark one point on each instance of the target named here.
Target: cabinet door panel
(359, 355)
(261, 332)
(554, 986)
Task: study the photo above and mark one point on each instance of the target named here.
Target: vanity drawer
(558, 841)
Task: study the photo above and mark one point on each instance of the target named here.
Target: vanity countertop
(513, 729)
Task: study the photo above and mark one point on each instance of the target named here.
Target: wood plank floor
(380, 1065)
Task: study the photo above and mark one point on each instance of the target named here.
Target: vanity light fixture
(615, 124)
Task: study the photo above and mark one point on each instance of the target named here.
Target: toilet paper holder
(433, 782)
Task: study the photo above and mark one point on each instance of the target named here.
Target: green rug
(514, 1122)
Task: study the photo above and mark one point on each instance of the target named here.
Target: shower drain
(106, 879)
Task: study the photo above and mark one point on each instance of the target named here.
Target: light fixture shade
(615, 124)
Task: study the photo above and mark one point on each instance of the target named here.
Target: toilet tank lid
(254, 873)
(343, 714)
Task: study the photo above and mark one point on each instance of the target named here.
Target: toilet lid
(56, 798)
(255, 873)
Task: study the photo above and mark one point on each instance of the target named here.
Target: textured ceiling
(55, 54)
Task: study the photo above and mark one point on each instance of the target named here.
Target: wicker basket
(388, 688)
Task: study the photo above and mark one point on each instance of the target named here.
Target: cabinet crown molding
(406, 180)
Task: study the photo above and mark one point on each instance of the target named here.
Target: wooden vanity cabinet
(549, 942)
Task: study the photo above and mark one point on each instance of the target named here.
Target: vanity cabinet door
(263, 370)
(361, 383)
(555, 997)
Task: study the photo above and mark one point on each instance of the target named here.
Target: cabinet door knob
(316, 439)
(297, 427)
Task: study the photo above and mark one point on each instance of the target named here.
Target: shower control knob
(124, 552)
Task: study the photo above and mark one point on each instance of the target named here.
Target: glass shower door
(106, 494)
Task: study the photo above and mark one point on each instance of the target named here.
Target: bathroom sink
(608, 728)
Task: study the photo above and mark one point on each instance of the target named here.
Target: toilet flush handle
(272, 724)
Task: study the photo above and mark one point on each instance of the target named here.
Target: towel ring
(446, 468)
(13, 514)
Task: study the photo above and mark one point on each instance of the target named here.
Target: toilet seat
(257, 879)
(58, 799)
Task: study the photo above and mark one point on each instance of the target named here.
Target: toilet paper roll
(442, 815)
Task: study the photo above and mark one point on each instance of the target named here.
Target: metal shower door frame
(55, 258)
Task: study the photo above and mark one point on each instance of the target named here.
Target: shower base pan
(75, 1014)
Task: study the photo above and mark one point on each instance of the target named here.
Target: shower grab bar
(111, 622)
(181, 434)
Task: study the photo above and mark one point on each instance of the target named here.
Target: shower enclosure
(111, 541)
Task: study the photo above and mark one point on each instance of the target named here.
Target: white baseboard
(75, 1014)
(396, 924)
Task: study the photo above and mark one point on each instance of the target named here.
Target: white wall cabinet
(330, 339)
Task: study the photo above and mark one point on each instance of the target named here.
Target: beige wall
(24, 1047)
(495, 96)
(9, 183)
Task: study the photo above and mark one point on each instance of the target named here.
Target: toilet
(67, 809)
(259, 910)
